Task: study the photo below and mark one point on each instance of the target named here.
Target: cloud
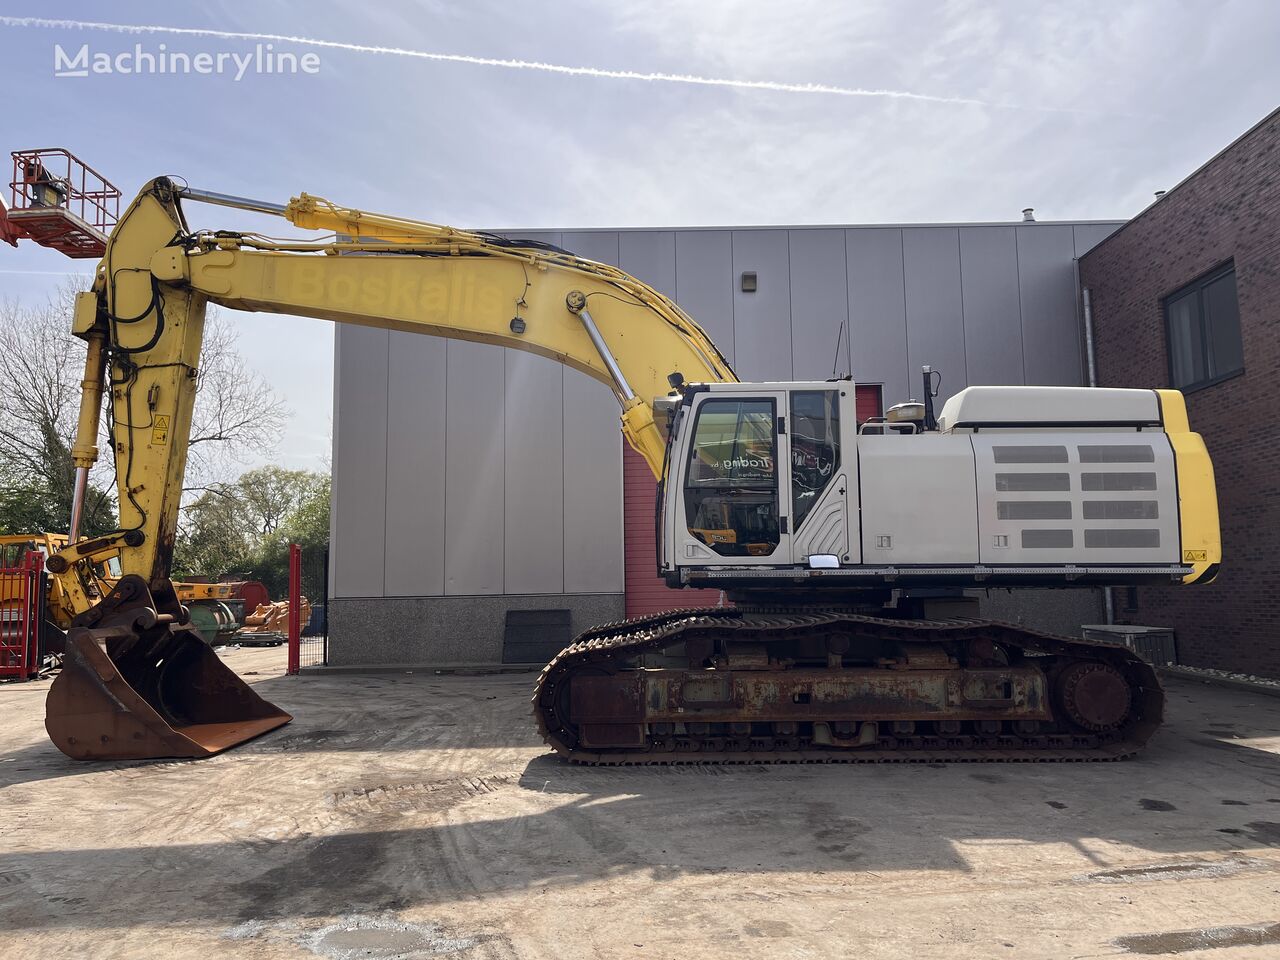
(772, 86)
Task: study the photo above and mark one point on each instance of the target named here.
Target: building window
(1202, 321)
(1131, 599)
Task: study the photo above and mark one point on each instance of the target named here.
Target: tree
(213, 537)
(237, 415)
(307, 525)
(271, 494)
(41, 366)
(243, 529)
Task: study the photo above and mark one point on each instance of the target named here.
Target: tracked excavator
(845, 550)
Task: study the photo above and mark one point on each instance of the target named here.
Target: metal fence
(22, 590)
(309, 578)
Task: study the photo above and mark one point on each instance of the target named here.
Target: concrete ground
(417, 816)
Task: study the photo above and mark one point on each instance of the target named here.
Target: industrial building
(431, 562)
(1184, 295)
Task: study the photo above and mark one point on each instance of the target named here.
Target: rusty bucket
(138, 682)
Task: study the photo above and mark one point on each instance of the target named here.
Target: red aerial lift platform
(59, 202)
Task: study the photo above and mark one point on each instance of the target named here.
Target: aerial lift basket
(60, 202)
(138, 682)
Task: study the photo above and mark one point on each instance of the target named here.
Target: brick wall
(1227, 210)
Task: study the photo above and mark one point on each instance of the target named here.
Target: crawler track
(612, 650)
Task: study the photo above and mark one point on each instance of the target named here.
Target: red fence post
(295, 608)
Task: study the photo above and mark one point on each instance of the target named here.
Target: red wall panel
(645, 592)
(868, 401)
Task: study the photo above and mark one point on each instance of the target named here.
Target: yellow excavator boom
(143, 322)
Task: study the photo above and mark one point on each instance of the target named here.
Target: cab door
(821, 463)
(734, 470)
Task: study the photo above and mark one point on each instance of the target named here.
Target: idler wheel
(1094, 696)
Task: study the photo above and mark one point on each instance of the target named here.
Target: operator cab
(748, 466)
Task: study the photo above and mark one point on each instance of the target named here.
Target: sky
(545, 114)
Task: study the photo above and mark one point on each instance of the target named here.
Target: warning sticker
(1195, 556)
(160, 430)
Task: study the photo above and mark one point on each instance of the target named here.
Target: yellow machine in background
(211, 605)
(832, 544)
(15, 547)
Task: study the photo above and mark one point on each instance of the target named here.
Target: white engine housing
(1018, 485)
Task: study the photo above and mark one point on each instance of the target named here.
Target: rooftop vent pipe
(1160, 194)
(1029, 215)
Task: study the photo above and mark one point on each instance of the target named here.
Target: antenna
(835, 363)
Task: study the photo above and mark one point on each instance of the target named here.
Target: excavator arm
(143, 322)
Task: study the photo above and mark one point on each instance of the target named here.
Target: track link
(613, 647)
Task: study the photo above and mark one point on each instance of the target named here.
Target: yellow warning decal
(160, 431)
(1195, 556)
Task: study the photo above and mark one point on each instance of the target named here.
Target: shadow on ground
(346, 713)
(398, 845)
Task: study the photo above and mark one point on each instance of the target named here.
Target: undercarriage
(776, 684)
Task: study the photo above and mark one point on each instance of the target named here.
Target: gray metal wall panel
(474, 469)
(935, 317)
(992, 315)
(534, 465)
(1050, 330)
(592, 467)
(877, 311)
(650, 256)
(819, 304)
(1089, 235)
(360, 472)
(388, 498)
(762, 320)
(533, 525)
(598, 245)
(416, 454)
(592, 487)
(704, 258)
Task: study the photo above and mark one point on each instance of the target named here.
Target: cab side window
(815, 448)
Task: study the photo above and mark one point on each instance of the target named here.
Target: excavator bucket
(137, 683)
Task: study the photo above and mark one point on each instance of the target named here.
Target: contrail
(506, 64)
(46, 273)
